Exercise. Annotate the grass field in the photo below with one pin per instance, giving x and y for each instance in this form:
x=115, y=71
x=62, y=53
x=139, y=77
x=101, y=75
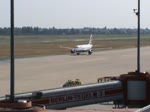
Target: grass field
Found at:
x=30, y=46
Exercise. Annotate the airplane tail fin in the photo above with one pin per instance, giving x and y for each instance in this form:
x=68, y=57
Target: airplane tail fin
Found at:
x=90, y=41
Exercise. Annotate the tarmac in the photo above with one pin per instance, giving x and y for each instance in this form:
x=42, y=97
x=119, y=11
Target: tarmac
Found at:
x=38, y=73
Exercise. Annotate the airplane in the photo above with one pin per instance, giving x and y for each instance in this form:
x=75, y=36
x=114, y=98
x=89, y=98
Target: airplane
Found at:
x=82, y=48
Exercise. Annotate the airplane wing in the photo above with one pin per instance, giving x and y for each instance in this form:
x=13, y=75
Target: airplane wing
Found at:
x=106, y=48
x=102, y=48
x=65, y=47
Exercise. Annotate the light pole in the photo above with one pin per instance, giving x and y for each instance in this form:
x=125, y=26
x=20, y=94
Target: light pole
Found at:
x=12, y=65
x=137, y=12
x=138, y=40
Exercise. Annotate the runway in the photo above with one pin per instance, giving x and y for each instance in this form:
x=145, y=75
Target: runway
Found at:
x=53, y=71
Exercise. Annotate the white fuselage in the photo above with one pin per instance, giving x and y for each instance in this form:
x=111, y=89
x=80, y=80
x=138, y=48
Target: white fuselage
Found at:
x=82, y=48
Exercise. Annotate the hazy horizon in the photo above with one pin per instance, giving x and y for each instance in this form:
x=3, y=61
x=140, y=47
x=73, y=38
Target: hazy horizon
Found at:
x=75, y=13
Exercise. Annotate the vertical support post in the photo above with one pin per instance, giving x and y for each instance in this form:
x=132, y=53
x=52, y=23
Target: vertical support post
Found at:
x=138, y=39
x=12, y=96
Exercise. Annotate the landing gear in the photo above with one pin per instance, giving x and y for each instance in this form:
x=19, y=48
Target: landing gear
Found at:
x=71, y=51
x=78, y=53
x=89, y=52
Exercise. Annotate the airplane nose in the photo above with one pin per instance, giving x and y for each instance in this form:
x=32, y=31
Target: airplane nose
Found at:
x=72, y=51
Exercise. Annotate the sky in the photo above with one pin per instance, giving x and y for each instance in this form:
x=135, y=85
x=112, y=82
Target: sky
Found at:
x=75, y=13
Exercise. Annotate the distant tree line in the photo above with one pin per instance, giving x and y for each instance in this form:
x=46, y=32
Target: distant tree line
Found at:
x=70, y=31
